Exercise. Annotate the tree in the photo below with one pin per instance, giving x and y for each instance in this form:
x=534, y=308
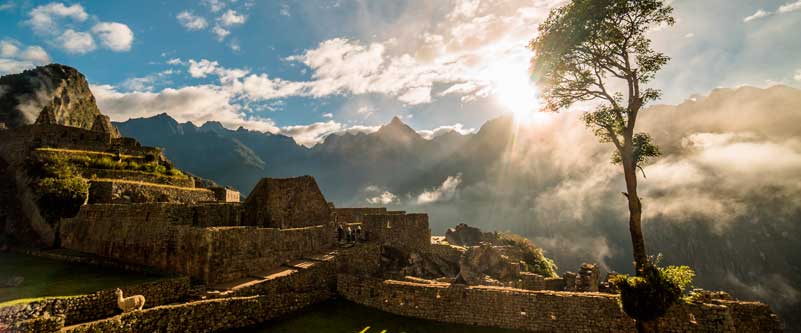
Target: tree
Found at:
x=598, y=51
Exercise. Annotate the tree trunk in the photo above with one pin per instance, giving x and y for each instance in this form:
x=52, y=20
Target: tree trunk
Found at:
x=635, y=206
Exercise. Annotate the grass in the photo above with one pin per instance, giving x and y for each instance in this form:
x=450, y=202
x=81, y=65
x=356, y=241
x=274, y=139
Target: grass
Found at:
x=83, y=159
x=347, y=317
x=45, y=278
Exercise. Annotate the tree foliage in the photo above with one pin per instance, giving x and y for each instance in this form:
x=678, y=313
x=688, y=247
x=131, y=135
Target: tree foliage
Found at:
x=649, y=296
x=589, y=46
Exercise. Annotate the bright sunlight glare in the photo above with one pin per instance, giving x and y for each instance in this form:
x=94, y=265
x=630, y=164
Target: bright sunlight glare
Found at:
x=514, y=90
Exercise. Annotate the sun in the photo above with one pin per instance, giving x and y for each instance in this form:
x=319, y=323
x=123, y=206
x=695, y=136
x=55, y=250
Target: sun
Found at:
x=514, y=91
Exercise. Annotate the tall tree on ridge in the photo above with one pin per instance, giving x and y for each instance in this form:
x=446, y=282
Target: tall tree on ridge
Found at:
x=598, y=51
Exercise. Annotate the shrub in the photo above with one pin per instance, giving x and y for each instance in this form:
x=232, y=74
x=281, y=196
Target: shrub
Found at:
x=535, y=259
x=61, y=197
x=648, y=297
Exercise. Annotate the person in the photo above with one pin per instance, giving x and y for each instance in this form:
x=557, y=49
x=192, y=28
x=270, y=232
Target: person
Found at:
x=340, y=233
x=359, y=236
x=349, y=234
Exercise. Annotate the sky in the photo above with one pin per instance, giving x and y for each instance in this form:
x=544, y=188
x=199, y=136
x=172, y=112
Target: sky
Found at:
x=315, y=67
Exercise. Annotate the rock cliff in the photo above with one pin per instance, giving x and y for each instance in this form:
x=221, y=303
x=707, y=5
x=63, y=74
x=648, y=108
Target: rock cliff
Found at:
x=61, y=90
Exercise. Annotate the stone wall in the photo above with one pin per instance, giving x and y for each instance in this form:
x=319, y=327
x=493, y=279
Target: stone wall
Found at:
x=356, y=215
x=101, y=304
x=189, y=239
x=121, y=192
x=537, y=311
x=403, y=231
x=244, y=251
x=206, y=316
x=223, y=194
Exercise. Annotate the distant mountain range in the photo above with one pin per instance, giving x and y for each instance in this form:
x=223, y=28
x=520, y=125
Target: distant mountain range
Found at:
x=723, y=198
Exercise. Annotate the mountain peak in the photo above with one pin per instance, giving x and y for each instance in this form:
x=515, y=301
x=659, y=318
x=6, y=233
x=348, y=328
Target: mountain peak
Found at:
x=62, y=90
x=396, y=121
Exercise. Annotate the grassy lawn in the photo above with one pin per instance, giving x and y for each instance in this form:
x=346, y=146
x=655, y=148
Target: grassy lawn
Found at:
x=52, y=278
x=346, y=317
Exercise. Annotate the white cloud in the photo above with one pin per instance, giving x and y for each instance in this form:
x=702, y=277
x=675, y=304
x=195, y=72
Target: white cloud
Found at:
x=790, y=7
x=757, y=15
x=797, y=76
x=220, y=32
x=214, y=5
x=689, y=35
x=328, y=115
x=11, y=66
x=76, y=42
x=116, y=36
x=309, y=135
x=384, y=198
x=43, y=18
x=444, y=192
x=48, y=21
x=230, y=18
x=191, y=21
x=175, y=61
x=35, y=54
x=458, y=128
x=8, y=49
x=197, y=104
x=15, y=58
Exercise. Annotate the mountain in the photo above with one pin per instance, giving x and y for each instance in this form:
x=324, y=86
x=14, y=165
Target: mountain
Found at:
x=61, y=88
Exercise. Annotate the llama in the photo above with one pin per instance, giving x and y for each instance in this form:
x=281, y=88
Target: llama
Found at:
x=129, y=304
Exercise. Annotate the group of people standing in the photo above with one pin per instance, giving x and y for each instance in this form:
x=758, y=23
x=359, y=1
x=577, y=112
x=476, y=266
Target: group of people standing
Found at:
x=346, y=234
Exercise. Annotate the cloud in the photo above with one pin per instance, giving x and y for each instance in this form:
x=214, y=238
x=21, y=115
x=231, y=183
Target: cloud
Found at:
x=8, y=49
x=191, y=21
x=147, y=83
x=116, y=36
x=15, y=57
x=797, y=76
x=43, y=19
x=76, y=42
x=285, y=10
x=47, y=21
x=444, y=192
x=220, y=32
x=458, y=128
x=36, y=54
x=790, y=7
x=328, y=115
x=385, y=198
x=757, y=15
x=309, y=135
x=784, y=9
x=230, y=18
x=214, y=5
x=197, y=104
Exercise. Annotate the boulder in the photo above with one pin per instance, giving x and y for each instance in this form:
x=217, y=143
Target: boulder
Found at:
x=466, y=235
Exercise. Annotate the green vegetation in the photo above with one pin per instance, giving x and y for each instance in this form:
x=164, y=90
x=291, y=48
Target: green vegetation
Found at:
x=51, y=278
x=61, y=189
x=107, y=161
x=649, y=296
x=61, y=197
x=535, y=259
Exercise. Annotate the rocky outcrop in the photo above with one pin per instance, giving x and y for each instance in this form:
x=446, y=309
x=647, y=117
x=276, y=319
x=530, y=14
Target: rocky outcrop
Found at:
x=486, y=265
x=61, y=90
x=465, y=235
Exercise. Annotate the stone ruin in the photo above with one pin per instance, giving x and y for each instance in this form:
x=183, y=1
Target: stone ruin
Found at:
x=286, y=203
